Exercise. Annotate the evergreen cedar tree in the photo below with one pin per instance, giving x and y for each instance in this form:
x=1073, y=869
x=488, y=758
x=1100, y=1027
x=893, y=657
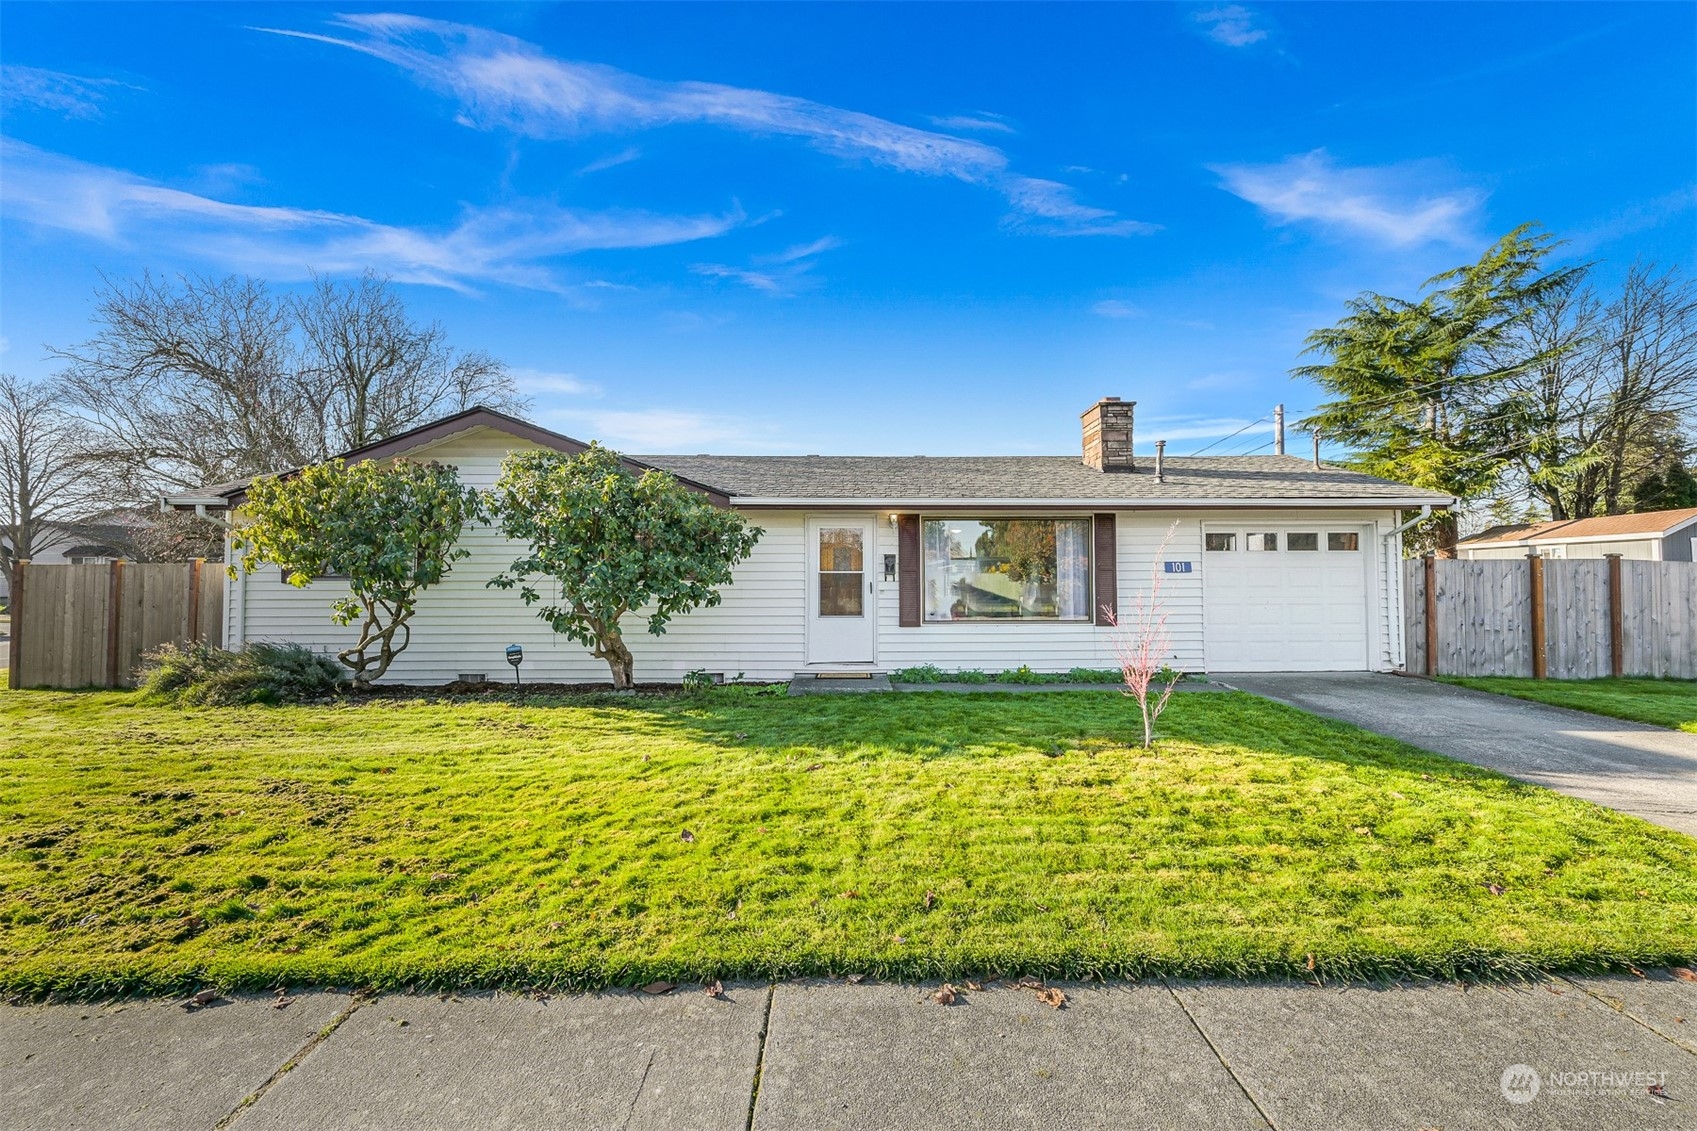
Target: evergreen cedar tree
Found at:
x=614, y=541
x=392, y=530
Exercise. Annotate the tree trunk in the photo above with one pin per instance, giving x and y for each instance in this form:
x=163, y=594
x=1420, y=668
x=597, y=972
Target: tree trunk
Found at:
x=1444, y=527
x=619, y=659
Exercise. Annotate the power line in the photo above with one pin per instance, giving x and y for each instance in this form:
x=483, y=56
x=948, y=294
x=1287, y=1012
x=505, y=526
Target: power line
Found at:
x=1234, y=435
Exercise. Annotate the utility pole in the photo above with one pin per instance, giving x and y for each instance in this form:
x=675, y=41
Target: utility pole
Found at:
x=1278, y=429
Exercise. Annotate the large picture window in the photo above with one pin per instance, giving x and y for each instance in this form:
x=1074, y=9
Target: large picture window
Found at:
x=1007, y=569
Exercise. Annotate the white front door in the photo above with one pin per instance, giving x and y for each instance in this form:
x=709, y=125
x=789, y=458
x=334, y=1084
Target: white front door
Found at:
x=1286, y=598
x=840, y=614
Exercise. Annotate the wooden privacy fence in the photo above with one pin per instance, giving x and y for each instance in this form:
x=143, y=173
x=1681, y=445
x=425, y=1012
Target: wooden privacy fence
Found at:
x=1555, y=618
x=88, y=625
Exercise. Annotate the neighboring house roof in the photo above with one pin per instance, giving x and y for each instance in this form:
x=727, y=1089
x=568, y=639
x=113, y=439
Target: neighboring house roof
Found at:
x=934, y=480
x=1649, y=524
x=901, y=479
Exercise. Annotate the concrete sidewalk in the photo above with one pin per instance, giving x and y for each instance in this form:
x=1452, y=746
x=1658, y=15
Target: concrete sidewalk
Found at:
x=1649, y=772
x=815, y=1055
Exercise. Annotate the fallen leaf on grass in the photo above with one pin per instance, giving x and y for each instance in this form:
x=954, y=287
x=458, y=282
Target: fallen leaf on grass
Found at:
x=975, y=985
x=740, y=735
x=1310, y=962
x=441, y=877
x=855, y=979
x=900, y=939
x=1027, y=982
x=1636, y=973
x=851, y=893
x=1052, y=997
x=930, y=898
x=659, y=987
x=687, y=837
x=283, y=1002
x=1495, y=889
x=816, y=766
x=714, y=989
x=1684, y=974
x=945, y=995
x=203, y=998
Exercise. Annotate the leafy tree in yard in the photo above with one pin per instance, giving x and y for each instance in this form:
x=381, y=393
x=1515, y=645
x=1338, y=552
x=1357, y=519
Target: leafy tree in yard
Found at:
x=1411, y=379
x=615, y=542
x=391, y=529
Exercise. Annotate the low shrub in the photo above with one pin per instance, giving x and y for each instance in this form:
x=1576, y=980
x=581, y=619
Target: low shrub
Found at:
x=202, y=675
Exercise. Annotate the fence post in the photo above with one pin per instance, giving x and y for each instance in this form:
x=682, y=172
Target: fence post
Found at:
x=114, y=619
x=15, y=646
x=1540, y=664
x=194, y=601
x=1617, y=636
x=1431, y=615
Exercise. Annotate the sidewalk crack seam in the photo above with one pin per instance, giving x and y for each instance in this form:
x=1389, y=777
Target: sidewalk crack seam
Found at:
x=640, y=1084
x=289, y=1065
x=760, y=1057
x=1219, y=1056
x=1628, y=1014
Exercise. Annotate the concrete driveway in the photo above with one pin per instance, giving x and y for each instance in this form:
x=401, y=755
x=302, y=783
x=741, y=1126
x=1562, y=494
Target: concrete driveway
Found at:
x=1646, y=771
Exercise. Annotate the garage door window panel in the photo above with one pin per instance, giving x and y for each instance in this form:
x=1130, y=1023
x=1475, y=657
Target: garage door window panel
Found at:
x=1301, y=541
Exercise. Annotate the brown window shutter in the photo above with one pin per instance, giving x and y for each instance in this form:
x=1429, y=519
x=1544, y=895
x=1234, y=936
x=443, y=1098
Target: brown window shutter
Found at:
x=1107, y=567
x=907, y=568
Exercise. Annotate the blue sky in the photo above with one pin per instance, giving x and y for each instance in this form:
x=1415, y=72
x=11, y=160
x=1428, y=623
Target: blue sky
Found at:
x=817, y=228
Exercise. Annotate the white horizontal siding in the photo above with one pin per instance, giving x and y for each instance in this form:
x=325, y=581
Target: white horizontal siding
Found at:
x=464, y=626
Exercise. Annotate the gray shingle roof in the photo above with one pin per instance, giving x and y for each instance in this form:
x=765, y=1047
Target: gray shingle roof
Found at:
x=1036, y=478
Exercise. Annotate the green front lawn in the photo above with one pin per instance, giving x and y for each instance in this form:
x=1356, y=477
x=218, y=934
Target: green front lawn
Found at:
x=1659, y=702
x=430, y=843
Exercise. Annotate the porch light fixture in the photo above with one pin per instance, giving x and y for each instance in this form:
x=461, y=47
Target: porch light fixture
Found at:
x=515, y=657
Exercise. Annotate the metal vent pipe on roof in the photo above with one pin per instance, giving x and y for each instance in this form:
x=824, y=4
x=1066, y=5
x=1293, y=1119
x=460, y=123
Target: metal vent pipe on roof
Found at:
x=1160, y=461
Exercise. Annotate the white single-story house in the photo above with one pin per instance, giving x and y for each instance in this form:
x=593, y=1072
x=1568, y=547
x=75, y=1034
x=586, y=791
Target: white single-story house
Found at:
x=873, y=563
x=1653, y=536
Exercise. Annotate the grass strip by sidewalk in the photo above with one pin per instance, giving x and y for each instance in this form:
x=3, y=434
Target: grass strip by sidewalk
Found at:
x=543, y=843
x=1659, y=702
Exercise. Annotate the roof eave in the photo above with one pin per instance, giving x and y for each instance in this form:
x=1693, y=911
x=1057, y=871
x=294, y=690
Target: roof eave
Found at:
x=879, y=503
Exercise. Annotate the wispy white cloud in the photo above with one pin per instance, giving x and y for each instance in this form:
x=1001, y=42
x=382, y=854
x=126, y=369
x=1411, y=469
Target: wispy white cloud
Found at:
x=759, y=280
x=778, y=273
x=1632, y=220
x=503, y=82
x=1114, y=308
x=611, y=161
x=1398, y=205
x=802, y=251
x=70, y=95
x=992, y=123
x=1233, y=25
x=547, y=381
x=510, y=244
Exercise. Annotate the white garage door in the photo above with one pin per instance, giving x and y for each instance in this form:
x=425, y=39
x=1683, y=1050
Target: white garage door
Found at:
x=1285, y=598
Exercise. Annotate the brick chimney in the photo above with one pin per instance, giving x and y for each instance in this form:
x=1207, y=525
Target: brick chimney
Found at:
x=1107, y=435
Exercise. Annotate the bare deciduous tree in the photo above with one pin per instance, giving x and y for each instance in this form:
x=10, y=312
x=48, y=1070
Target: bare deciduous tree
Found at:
x=377, y=373
x=1606, y=394
x=44, y=480
x=199, y=381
